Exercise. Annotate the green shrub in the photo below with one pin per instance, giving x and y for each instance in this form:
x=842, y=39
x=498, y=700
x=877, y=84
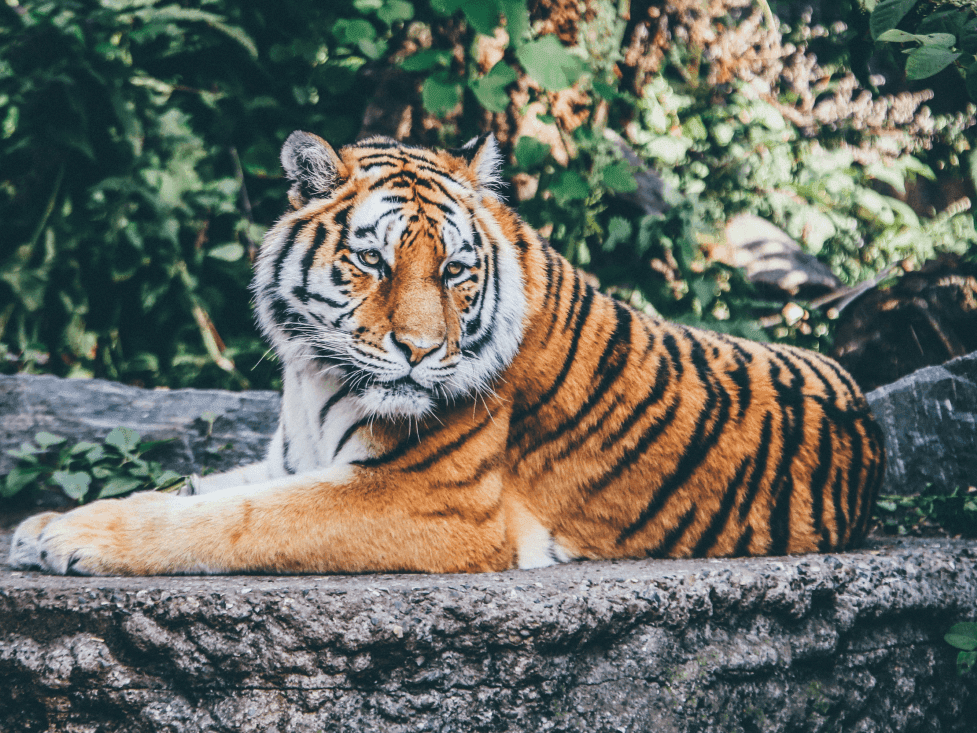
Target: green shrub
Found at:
x=86, y=471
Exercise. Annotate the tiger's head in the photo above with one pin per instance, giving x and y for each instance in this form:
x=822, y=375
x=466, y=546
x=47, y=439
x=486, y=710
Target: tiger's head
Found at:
x=392, y=272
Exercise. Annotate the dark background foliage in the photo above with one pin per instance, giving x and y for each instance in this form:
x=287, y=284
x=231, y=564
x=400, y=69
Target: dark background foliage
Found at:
x=139, y=155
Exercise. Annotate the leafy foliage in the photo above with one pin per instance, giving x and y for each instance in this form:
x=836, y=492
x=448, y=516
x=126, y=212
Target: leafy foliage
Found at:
x=929, y=512
x=87, y=471
x=945, y=36
x=964, y=637
x=139, y=138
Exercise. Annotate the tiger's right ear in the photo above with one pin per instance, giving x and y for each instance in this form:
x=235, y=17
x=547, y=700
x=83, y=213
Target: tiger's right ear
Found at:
x=312, y=166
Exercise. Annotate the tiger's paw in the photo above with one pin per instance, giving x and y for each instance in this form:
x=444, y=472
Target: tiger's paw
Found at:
x=97, y=539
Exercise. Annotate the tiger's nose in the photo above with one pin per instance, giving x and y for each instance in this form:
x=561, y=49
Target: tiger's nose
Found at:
x=414, y=349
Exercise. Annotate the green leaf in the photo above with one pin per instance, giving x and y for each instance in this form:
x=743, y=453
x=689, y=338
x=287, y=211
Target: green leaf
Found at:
x=125, y=439
x=894, y=35
x=119, y=485
x=568, y=186
x=619, y=231
x=395, y=11
x=889, y=506
x=550, y=64
x=227, y=252
x=887, y=14
x=618, y=176
x=351, y=32
x=530, y=152
x=516, y=20
x=966, y=628
x=26, y=452
x=74, y=485
x=426, y=59
x=46, y=440
x=440, y=94
x=928, y=60
x=482, y=16
x=20, y=477
x=168, y=477
x=967, y=643
x=490, y=89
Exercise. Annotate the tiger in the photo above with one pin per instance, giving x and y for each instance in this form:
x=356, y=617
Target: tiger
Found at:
x=457, y=397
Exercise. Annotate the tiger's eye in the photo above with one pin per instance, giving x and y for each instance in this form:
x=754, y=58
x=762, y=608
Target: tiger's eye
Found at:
x=370, y=257
x=453, y=269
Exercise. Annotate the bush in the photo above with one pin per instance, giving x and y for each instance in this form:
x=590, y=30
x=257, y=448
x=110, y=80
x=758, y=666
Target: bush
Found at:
x=139, y=141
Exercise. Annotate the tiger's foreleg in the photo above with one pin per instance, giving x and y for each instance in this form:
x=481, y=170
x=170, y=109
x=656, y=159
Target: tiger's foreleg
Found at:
x=336, y=520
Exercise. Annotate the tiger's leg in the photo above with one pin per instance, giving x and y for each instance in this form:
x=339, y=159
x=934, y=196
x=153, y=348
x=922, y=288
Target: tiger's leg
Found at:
x=253, y=473
x=336, y=520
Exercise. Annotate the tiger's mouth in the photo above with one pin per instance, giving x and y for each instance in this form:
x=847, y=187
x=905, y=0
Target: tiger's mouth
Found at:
x=402, y=397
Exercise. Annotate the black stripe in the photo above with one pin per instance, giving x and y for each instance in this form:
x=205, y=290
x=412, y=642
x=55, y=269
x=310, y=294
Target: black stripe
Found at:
x=286, y=448
x=350, y=431
x=743, y=544
x=662, y=379
x=841, y=522
x=618, y=345
x=854, y=473
x=317, y=240
x=740, y=377
x=672, y=537
x=700, y=444
x=720, y=518
x=819, y=478
x=339, y=394
x=668, y=341
x=555, y=301
x=581, y=319
x=448, y=448
x=759, y=466
x=286, y=248
x=627, y=459
x=780, y=516
x=791, y=401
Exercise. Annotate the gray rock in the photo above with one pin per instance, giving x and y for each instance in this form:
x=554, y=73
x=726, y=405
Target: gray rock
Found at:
x=87, y=409
x=848, y=642
x=930, y=423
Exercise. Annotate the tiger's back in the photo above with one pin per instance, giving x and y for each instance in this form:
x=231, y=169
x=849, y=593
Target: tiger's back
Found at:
x=658, y=439
x=458, y=398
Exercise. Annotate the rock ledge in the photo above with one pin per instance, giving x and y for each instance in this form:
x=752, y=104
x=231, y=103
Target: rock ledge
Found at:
x=848, y=642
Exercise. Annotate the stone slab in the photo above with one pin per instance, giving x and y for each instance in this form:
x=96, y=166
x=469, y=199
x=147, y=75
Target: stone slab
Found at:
x=846, y=642
x=87, y=409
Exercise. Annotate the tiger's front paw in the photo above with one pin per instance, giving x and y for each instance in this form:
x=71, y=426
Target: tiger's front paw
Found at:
x=25, y=549
x=98, y=539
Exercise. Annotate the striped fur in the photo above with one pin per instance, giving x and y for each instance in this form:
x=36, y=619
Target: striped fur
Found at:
x=458, y=398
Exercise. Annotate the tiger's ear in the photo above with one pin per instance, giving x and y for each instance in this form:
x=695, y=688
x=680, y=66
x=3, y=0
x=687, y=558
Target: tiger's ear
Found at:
x=312, y=166
x=484, y=161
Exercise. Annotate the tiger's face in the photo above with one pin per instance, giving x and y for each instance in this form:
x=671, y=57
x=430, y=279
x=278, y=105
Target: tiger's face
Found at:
x=391, y=274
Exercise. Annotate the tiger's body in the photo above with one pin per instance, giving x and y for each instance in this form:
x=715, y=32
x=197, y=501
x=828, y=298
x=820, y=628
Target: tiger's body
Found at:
x=458, y=399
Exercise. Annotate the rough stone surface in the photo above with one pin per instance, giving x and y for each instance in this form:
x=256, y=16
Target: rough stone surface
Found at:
x=87, y=409
x=930, y=423
x=848, y=642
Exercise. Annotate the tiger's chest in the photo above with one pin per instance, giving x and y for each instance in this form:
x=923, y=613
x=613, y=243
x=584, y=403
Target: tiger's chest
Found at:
x=322, y=424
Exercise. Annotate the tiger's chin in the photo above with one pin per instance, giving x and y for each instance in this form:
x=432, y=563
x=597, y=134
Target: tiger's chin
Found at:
x=397, y=400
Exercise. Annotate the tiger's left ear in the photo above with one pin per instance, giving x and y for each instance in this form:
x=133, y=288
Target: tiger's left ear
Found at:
x=484, y=162
x=312, y=166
